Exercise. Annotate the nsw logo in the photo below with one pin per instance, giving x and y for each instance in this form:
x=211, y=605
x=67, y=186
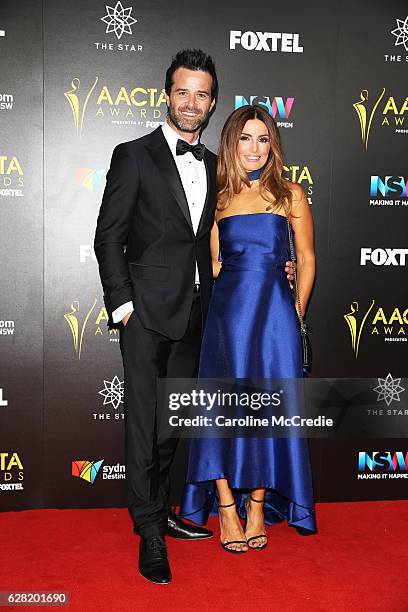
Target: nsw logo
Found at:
x=278, y=107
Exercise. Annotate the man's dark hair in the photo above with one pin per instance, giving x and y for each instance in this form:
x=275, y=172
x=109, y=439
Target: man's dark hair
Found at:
x=192, y=59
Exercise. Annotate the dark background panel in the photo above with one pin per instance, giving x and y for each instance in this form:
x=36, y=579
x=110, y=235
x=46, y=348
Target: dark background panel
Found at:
x=364, y=41
x=21, y=247
x=71, y=209
x=354, y=222
x=88, y=77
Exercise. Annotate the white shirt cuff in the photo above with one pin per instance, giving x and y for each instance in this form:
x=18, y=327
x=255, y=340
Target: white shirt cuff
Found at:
x=122, y=311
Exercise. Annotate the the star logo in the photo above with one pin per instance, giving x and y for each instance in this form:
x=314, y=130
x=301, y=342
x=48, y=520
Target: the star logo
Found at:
x=388, y=389
x=401, y=33
x=118, y=20
x=112, y=392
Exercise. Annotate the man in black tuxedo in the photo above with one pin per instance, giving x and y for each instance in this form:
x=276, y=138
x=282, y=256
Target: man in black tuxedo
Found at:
x=159, y=200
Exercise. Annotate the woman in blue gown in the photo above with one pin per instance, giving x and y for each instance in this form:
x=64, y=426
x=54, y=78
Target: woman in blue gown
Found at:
x=252, y=331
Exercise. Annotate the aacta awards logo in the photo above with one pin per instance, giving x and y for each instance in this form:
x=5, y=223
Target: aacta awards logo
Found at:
x=389, y=324
x=119, y=22
x=378, y=109
x=79, y=109
x=11, y=472
x=300, y=174
x=11, y=177
x=142, y=106
x=92, y=320
x=276, y=107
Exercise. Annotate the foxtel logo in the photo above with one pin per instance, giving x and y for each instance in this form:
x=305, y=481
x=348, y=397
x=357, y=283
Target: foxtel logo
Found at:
x=383, y=257
x=265, y=41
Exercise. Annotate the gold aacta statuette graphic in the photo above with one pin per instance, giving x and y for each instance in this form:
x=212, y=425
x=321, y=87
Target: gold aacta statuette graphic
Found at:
x=77, y=332
x=355, y=330
x=361, y=109
x=75, y=104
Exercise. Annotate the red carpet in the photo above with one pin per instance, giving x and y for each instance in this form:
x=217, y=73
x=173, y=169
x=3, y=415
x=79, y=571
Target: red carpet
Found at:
x=358, y=561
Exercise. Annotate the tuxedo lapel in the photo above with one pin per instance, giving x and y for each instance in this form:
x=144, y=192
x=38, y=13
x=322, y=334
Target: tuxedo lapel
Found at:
x=208, y=209
x=162, y=157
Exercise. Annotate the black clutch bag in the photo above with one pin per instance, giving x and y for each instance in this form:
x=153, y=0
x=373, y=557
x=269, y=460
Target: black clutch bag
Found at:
x=304, y=329
x=306, y=347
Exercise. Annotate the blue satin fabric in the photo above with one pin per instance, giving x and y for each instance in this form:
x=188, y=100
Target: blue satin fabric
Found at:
x=252, y=331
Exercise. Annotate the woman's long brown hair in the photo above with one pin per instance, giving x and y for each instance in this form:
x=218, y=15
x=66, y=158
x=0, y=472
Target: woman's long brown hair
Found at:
x=230, y=172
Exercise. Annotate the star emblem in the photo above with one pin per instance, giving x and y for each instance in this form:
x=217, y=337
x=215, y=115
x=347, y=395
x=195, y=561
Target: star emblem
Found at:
x=388, y=389
x=112, y=392
x=118, y=20
x=401, y=33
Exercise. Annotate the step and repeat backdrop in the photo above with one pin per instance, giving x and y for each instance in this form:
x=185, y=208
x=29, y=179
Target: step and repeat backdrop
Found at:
x=77, y=78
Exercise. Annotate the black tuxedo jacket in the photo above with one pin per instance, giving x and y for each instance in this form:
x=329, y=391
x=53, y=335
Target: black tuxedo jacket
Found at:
x=144, y=208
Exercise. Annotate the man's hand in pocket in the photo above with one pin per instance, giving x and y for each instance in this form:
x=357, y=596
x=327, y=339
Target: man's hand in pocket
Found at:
x=126, y=318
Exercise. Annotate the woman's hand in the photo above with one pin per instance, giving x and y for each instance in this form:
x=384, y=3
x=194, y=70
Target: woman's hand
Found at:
x=290, y=268
x=216, y=266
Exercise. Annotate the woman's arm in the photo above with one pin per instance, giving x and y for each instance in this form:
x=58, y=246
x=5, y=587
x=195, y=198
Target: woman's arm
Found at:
x=215, y=250
x=302, y=223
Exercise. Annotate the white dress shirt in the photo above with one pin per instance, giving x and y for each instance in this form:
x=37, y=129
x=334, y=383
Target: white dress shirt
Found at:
x=193, y=176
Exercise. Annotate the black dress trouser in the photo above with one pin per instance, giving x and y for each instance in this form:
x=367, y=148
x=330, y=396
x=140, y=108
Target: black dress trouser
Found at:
x=147, y=356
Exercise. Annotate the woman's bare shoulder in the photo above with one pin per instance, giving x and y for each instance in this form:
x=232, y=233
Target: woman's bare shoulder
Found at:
x=297, y=192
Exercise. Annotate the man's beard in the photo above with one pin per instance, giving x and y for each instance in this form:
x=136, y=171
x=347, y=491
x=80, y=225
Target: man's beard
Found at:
x=183, y=124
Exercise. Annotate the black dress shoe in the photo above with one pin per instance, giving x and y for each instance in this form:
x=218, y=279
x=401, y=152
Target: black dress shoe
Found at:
x=153, y=562
x=178, y=529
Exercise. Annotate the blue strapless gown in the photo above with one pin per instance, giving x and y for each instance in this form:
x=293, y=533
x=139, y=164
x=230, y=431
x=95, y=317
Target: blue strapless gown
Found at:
x=252, y=331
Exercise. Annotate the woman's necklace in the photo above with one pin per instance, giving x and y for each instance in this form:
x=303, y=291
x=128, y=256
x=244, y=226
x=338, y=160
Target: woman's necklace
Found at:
x=255, y=174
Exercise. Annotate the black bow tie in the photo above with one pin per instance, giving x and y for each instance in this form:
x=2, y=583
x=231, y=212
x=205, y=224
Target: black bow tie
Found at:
x=197, y=150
